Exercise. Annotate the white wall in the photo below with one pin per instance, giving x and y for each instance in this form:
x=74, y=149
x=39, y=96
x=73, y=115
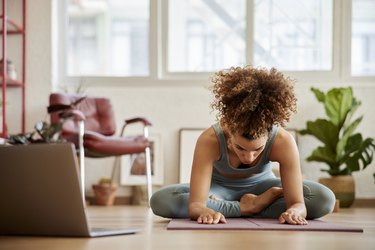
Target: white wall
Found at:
x=169, y=107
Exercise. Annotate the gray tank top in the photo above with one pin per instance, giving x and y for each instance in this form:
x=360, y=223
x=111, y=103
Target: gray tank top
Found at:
x=223, y=166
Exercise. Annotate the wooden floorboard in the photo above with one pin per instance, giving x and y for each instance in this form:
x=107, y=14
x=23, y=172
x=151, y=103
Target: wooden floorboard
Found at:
x=154, y=235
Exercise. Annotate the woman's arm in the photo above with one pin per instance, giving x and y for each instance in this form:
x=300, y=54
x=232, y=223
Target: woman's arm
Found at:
x=285, y=152
x=206, y=151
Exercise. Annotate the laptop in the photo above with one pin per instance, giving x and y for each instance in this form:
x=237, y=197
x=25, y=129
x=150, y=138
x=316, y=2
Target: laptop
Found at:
x=40, y=193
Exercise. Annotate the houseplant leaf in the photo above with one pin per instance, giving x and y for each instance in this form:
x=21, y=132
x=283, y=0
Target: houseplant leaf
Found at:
x=320, y=96
x=338, y=103
x=356, y=103
x=361, y=152
x=342, y=143
x=324, y=130
x=325, y=155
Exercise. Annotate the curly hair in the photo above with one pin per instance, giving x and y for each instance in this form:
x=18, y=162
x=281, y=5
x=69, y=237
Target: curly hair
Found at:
x=251, y=100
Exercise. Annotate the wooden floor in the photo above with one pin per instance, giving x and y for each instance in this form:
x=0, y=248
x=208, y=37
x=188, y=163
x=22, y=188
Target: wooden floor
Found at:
x=154, y=235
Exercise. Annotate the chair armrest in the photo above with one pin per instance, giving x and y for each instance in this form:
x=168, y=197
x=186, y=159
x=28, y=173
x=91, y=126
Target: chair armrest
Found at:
x=143, y=120
x=138, y=119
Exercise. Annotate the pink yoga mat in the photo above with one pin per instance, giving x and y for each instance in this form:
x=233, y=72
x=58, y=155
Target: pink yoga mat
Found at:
x=260, y=224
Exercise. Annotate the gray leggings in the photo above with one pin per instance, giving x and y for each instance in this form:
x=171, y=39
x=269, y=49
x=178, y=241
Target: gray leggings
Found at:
x=173, y=201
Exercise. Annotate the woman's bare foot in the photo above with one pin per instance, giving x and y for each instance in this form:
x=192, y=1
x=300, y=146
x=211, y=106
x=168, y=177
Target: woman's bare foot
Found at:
x=214, y=197
x=252, y=204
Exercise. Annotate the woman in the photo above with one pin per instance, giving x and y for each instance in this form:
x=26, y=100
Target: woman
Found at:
x=231, y=172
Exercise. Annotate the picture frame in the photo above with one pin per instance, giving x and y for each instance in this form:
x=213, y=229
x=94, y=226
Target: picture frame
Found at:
x=133, y=167
x=188, y=139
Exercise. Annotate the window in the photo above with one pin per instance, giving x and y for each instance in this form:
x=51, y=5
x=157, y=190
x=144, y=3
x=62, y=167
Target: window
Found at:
x=206, y=35
x=293, y=35
x=363, y=38
x=83, y=56
x=108, y=38
x=156, y=40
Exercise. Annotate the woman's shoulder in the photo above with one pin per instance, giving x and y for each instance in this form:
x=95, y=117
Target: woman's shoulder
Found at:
x=208, y=136
x=284, y=141
x=284, y=135
x=208, y=142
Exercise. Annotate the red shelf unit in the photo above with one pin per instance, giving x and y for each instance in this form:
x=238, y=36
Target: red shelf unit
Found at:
x=8, y=28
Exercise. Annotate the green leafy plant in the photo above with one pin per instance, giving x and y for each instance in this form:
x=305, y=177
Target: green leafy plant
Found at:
x=343, y=150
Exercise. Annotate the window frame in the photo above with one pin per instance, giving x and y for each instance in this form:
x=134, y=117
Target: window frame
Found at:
x=158, y=44
x=346, y=21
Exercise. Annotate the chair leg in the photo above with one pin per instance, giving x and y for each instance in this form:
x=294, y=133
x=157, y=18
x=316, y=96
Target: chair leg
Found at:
x=82, y=160
x=148, y=174
x=148, y=168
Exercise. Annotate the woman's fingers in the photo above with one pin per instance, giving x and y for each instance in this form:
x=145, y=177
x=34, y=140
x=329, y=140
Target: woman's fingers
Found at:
x=211, y=218
x=292, y=218
x=218, y=217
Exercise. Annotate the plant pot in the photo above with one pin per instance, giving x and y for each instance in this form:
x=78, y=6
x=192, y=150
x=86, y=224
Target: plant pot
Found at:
x=343, y=187
x=104, y=194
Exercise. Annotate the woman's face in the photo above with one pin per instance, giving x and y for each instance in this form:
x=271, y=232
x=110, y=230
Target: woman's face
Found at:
x=247, y=150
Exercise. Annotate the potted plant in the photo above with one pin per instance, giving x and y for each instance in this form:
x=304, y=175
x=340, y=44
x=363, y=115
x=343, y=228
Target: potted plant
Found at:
x=344, y=150
x=104, y=192
x=105, y=189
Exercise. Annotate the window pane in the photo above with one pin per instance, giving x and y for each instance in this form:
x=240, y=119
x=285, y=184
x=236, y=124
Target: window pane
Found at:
x=293, y=35
x=108, y=38
x=206, y=35
x=363, y=38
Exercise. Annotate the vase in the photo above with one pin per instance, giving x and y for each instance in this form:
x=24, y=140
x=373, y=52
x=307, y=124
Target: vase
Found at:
x=343, y=187
x=104, y=194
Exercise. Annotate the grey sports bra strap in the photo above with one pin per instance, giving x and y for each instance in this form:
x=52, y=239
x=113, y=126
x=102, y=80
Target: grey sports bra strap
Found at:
x=273, y=134
x=222, y=141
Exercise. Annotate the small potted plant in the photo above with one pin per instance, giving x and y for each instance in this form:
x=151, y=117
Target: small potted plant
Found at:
x=105, y=189
x=343, y=150
x=104, y=192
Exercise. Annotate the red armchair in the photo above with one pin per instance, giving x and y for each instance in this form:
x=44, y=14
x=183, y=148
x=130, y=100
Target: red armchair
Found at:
x=99, y=139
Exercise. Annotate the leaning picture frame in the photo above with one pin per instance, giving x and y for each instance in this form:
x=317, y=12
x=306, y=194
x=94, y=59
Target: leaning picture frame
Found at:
x=133, y=167
x=188, y=139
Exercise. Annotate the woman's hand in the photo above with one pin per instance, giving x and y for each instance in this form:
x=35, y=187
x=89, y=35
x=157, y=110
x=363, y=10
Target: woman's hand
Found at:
x=209, y=216
x=293, y=216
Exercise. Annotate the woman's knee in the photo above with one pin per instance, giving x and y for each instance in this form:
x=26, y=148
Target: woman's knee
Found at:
x=157, y=202
x=319, y=199
x=170, y=201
